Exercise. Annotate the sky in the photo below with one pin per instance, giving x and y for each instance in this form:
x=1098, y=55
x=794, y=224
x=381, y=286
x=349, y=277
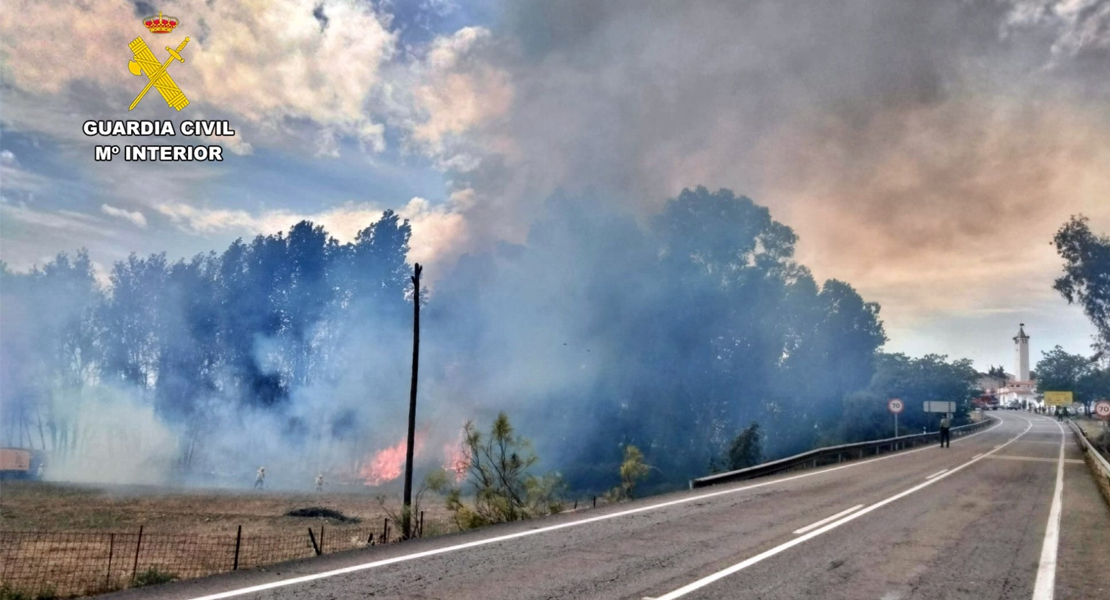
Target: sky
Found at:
x=924, y=152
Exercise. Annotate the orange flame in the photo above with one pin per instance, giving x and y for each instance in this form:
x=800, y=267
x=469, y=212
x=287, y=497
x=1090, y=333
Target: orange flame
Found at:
x=388, y=464
x=455, y=461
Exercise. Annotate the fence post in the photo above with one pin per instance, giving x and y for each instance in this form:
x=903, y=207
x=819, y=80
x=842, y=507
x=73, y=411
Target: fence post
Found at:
x=312, y=538
x=385, y=531
x=111, y=550
x=321, y=538
x=138, y=545
x=421, y=523
x=595, y=501
x=238, y=542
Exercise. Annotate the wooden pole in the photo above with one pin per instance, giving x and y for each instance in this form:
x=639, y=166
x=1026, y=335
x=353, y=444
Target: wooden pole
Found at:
x=238, y=542
x=138, y=545
x=406, y=510
x=312, y=538
x=111, y=550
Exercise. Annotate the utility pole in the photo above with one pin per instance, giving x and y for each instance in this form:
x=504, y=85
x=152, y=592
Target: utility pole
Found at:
x=406, y=511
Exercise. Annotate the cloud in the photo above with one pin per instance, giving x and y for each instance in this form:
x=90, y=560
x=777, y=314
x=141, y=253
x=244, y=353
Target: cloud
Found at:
x=61, y=220
x=268, y=63
x=135, y=217
x=1080, y=25
x=448, y=93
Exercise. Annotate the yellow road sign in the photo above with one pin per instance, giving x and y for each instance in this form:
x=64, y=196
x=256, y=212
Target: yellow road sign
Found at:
x=1058, y=398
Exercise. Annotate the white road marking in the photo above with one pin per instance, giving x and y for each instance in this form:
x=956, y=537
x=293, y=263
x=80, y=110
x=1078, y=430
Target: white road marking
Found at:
x=1070, y=461
x=686, y=589
x=1045, y=586
x=941, y=471
x=827, y=519
x=539, y=530
x=977, y=455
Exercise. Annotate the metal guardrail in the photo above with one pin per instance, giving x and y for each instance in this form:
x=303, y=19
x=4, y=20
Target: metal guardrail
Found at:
x=835, y=454
x=1097, y=458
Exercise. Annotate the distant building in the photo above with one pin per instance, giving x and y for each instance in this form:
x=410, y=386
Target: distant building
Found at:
x=1021, y=388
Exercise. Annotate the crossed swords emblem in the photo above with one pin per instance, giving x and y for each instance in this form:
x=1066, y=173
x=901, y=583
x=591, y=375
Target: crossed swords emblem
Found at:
x=156, y=73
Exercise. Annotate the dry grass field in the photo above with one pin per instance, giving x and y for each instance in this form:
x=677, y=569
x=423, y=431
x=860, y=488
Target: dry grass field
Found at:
x=36, y=506
x=60, y=540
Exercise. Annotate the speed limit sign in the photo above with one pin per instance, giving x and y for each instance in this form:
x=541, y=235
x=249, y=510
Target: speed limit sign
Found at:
x=895, y=405
x=1102, y=409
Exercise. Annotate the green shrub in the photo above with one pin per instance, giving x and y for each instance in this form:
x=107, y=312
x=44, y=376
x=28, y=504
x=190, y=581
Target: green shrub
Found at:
x=153, y=576
x=8, y=593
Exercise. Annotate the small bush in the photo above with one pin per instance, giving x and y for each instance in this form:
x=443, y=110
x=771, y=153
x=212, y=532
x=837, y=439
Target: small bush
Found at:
x=633, y=469
x=153, y=576
x=497, y=474
x=7, y=593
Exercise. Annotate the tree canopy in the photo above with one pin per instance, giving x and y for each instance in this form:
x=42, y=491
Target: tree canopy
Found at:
x=1086, y=278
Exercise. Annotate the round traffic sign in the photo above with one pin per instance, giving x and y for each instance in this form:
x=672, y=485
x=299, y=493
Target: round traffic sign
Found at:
x=895, y=405
x=1102, y=409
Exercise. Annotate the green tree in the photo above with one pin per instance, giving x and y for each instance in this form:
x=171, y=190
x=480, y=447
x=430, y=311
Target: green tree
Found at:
x=633, y=470
x=498, y=479
x=1086, y=279
x=1065, y=372
x=998, y=374
x=914, y=380
x=746, y=449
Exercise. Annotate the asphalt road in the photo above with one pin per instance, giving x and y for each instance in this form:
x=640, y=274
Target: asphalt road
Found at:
x=977, y=520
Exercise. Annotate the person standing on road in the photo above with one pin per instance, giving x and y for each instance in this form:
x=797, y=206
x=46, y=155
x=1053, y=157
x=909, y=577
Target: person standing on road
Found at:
x=319, y=482
x=260, y=479
x=945, y=436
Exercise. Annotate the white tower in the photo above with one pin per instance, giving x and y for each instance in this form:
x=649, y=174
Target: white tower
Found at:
x=1021, y=346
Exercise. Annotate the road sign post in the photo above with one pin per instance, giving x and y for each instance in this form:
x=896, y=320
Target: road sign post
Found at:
x=895, y=406
x=1102, y=410
x=937, y=406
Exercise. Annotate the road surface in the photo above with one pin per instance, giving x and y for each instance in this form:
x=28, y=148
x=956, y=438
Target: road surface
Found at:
x=1010, y=512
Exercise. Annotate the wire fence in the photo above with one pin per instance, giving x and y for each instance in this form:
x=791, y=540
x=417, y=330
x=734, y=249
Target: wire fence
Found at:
x=44, y=564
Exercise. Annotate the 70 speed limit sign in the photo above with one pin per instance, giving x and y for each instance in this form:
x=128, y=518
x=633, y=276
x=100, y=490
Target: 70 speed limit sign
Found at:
x=1102, y=409
x=895, y=405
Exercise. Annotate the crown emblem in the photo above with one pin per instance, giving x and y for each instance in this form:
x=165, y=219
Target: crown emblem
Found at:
x=160, y=24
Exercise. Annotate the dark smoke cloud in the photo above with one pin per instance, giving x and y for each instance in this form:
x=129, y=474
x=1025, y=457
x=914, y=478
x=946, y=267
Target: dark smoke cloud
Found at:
x=894, y=136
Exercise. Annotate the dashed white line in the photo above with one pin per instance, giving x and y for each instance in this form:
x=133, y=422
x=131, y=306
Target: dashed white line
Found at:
x=696, y=585
x=942, y=471
x=827, y=519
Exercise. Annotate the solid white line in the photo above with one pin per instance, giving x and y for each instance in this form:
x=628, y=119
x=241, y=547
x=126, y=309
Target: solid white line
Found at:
x=1045, y=585
x=539, y=530
x=977, y=455
x=827, y=519
x=938, y=473
x=686, y=589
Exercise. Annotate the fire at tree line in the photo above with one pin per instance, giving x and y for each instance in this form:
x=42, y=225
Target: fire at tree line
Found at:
x=631, y=355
